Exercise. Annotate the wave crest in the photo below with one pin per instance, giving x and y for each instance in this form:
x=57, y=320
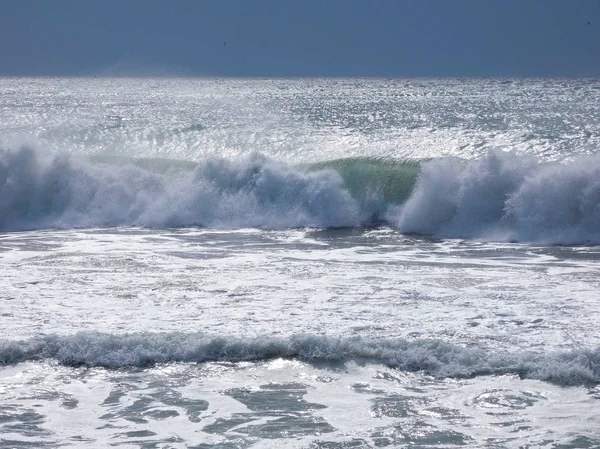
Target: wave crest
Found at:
x=433, y=357
x=501, y=196
x=505, y=196
x=60, y=191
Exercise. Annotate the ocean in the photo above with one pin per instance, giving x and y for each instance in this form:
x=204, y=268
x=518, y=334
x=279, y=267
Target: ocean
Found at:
x=299, y=263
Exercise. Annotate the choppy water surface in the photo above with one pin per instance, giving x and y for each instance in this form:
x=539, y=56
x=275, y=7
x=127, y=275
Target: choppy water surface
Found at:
x=299, y=263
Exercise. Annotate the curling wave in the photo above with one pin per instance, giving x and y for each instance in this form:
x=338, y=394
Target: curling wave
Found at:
x=433, y=357
x=501, y=196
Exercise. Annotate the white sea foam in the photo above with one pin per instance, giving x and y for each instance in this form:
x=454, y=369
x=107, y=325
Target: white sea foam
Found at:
x=405, y=317
x=505, y=196
x=500, y=196
x=434, y=357
x=59, y=191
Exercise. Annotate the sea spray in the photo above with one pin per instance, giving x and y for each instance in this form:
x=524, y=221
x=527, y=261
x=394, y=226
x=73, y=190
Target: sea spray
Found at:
x=38, y=191
x=502, y=196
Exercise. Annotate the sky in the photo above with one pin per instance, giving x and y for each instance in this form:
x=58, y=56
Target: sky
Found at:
x=300, y=38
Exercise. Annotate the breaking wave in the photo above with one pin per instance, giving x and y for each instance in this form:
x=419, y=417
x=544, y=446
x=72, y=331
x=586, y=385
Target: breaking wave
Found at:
x=61, y=191
x=433, y=357
x=505, y=196
x=501, y=196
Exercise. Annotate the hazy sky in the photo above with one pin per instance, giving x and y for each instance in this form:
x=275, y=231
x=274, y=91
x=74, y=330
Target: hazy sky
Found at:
x=300, y=37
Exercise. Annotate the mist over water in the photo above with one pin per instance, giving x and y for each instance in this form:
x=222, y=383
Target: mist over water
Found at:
x=308, y=263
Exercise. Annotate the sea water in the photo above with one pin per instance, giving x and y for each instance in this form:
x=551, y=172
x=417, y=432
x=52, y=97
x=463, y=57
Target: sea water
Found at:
x=303, y=263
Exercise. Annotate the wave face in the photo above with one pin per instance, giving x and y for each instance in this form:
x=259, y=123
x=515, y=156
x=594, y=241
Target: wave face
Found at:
x=433, y=357
x=500, y=196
